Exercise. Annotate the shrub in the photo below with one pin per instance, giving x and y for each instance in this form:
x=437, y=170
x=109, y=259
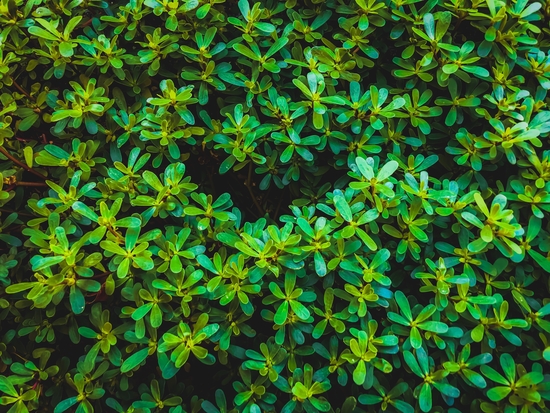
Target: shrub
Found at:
x=319, y=206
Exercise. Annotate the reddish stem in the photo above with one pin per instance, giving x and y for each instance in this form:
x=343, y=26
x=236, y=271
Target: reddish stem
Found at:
x=19, y=88
x=21, y=164
x=103, y=274
x=30, y=184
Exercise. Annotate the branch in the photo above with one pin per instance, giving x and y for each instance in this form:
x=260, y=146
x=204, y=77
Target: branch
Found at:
x=86, y=23
x=103, y=274
x=8, y=211
x=30, y=184
x=118, y=236
x=21, y=357
x=19, y=88
x=21, y=164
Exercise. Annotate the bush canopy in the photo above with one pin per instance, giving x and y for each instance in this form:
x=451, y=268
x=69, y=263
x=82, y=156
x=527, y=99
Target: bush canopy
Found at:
x=322, y=206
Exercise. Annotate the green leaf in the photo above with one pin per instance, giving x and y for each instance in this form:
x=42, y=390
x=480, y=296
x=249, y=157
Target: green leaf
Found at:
x=434, y=326
x=475, y=378
x=342, y=205
x=77, y=300
x=300, y=391
x=360, y=373
x=540, y=260
x=508, y=366
x=71, y=25
x=403, y=406
x=492, y=374
x=65, y=404
x=28, y=154
x=242, y=49
x=38, y=31
x=477, y=333
x=443, y=24
x=412, y=363
x=387, y=170
x=429, y=25
x=202, y=11
x=66, y=49
x=487, y=234
x=7, y=387
x=281, y=314
x=320, y=265
x=403, y=304
x=334, y=100
x=84, y=210
x=425, y=398
x=134, y=360
x=530, y=379
x=416, y=338
x=112, y=247
x=472, y=219
x=300, y=310
x=278, y=45
x=46, y=262
x=498, y=393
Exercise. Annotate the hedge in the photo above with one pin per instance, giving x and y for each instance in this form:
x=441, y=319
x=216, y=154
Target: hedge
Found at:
x=320, y=206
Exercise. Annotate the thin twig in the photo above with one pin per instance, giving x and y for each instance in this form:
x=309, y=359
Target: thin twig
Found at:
x=25, y=139
x=103, y=274
x=21, y=357
x=86, y=23
x=116, y=234
x=14, y=229
x=30, y=184
x=21, y=164
x=19, y=88
x=7, y=211
x=249, y=186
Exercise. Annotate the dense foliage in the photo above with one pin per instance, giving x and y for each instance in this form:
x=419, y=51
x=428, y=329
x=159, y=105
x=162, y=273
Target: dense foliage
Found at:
x=319, y=206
